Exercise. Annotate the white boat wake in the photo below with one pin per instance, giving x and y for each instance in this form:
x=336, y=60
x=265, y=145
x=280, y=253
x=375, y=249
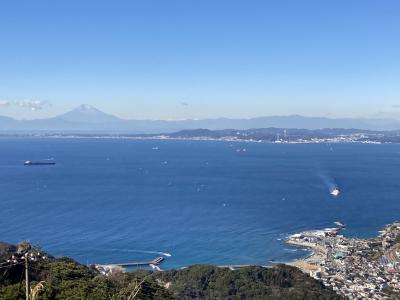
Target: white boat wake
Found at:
x=330, y=183
x=335, y=192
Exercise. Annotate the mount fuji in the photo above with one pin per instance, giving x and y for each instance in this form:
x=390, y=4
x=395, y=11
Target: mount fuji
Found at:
x=86, y=113
x=87, y=118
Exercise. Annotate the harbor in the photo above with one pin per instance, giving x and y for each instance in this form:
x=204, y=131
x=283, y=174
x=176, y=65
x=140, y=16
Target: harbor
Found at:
x=354, y=268
x=107, y=269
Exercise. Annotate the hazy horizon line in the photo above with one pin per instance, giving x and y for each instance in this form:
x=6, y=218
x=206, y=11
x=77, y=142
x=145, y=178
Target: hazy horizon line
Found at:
x=370, y=117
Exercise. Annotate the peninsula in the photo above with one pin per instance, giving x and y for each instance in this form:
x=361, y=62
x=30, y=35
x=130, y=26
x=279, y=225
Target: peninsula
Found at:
x=258, y=135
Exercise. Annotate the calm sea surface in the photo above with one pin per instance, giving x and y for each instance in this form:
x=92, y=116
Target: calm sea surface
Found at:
x=110, y=201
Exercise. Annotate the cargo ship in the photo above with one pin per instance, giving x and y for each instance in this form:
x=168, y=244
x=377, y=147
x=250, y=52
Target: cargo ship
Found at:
x=39, y=162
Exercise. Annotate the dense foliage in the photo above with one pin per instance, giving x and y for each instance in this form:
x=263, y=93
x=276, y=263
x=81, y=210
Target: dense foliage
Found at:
x=280, y=282
x=66, y=279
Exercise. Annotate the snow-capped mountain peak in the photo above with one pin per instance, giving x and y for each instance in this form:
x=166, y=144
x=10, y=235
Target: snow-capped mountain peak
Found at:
x=86, y=113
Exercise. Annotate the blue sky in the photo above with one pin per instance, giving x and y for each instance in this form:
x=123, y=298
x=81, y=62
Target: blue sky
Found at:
x=197, y=58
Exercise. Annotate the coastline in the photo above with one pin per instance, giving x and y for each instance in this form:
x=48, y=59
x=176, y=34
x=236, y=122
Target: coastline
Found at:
x=354, y=268
x=306, y=264
x=169, y=138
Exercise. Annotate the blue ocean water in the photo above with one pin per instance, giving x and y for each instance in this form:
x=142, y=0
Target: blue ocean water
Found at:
x=116, y=200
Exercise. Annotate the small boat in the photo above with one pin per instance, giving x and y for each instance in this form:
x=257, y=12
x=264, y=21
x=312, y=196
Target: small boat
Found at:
x=39, y=162
x=335, y=192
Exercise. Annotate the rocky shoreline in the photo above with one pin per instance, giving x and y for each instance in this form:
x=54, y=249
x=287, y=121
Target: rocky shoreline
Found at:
x=354, y=268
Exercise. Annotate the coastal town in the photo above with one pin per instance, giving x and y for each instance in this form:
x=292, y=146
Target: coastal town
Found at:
x=354, y=268
x=255, y=135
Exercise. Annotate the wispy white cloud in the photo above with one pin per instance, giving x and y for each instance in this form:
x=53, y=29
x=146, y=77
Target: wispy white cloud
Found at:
x=4, y=103
x=32, y=105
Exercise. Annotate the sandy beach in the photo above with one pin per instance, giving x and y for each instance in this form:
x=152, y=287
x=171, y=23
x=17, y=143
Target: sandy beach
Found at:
x=308, y=264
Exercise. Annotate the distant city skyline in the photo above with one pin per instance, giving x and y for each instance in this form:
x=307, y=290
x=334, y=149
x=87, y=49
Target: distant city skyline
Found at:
x=200, y=59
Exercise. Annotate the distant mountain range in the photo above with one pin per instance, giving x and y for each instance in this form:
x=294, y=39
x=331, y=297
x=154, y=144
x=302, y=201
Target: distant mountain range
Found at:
x=86, y=118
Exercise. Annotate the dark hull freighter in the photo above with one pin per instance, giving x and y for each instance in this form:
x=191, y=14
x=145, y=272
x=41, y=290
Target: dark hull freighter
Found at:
x=38, y=163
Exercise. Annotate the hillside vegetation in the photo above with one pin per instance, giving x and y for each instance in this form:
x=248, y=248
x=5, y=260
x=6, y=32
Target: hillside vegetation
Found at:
x=63, y=278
